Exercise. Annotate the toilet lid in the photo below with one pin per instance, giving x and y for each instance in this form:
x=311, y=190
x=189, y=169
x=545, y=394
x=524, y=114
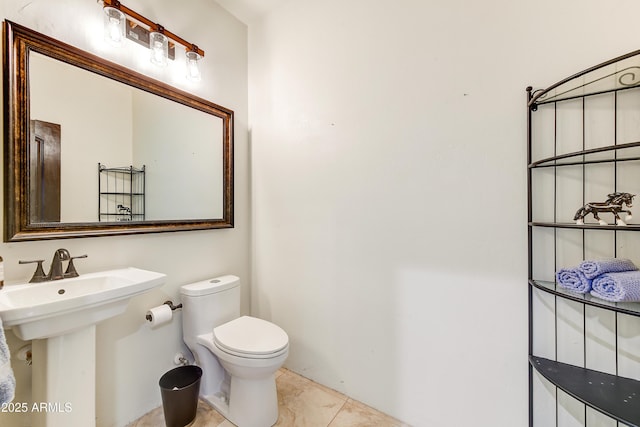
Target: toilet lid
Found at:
x=249, y=335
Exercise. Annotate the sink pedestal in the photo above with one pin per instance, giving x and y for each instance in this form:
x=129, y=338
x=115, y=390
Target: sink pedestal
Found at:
x=64, y=380
x=60, y=319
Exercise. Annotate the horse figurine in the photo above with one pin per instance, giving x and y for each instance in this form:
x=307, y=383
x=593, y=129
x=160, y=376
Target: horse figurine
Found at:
x=613, y=204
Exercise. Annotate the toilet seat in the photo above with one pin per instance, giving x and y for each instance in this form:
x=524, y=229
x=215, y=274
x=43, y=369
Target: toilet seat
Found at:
x=251, y=337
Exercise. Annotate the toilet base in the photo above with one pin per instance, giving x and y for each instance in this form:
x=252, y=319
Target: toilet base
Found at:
x=252, y=403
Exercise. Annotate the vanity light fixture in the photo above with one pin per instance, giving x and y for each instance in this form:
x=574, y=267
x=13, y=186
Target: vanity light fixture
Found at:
x=193, y=70
x=158, y=39
x=159, y=45
x=114, y=24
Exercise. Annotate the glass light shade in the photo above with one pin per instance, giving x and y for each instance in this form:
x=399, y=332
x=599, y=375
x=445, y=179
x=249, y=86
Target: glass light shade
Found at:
x=159, y=45
x=114, y=26
x=193, y=66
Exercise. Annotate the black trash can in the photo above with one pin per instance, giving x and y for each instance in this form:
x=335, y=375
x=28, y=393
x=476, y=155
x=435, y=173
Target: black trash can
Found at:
x=180, y=388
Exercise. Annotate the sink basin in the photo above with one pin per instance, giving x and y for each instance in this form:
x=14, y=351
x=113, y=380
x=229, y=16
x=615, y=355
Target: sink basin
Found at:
x=60, y=317
x=48, y=309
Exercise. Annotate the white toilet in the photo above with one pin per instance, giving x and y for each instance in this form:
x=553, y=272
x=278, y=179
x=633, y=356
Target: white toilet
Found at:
x=238, y=355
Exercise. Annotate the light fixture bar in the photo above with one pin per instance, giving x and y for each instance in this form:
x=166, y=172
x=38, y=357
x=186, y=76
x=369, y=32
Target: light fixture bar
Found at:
x=153, y=26
x=137, y=33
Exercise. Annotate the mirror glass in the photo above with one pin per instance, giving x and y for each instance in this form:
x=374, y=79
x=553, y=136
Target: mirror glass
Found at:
x=96, y=149
x=105, y=122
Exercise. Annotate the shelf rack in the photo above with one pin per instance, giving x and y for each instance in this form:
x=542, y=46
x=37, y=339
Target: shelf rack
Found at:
x=121, y=193
x=615, y=396
x=630, y=308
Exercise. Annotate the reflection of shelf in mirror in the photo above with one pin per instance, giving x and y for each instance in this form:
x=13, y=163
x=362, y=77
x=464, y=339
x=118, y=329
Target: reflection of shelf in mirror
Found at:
x=631, y=308
x=567, y=159
x=107, y=193
x=118, y=214
x=121, y=193
x=617, y=397
x=114, y=217
x=124, y=169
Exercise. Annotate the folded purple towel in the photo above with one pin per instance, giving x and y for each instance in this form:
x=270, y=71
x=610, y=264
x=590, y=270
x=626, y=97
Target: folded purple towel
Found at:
x=573, y=279
x=616, y=287
x=595, y=268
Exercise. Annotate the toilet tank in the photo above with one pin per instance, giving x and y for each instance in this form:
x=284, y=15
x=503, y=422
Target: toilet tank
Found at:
x=209, y=303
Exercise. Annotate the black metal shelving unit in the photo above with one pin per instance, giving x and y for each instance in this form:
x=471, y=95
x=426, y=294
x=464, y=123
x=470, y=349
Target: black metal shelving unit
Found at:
x=570, y=107
x=615, y=396
x=121, y=193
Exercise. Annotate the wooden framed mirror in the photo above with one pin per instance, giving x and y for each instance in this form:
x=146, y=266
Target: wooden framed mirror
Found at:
x=94, y=149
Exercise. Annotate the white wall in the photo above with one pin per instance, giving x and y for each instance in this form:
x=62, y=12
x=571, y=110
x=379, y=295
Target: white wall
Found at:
x=389, y=190
x=132, y=357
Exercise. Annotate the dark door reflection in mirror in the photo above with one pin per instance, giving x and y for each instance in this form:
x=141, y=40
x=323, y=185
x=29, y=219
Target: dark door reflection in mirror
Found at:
x=44, y=161
x=106, y=114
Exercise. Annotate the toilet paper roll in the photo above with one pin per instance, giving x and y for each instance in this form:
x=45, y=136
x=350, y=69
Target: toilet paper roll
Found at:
x=160, y=315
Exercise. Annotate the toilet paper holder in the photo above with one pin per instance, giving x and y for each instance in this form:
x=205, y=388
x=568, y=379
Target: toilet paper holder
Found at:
x=171, y=306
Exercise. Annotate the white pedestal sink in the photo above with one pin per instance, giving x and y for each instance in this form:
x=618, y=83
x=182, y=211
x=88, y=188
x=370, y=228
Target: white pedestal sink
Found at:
x=60, y=317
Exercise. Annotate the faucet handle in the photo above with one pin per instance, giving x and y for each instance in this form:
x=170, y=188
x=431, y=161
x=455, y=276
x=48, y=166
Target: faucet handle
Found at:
x=38, y=275
x=71, y=269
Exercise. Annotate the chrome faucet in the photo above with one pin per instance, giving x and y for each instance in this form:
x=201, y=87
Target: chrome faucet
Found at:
x=56, y=271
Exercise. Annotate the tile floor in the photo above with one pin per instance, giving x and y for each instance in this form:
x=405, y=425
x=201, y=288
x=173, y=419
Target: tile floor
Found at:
x=301, y=402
